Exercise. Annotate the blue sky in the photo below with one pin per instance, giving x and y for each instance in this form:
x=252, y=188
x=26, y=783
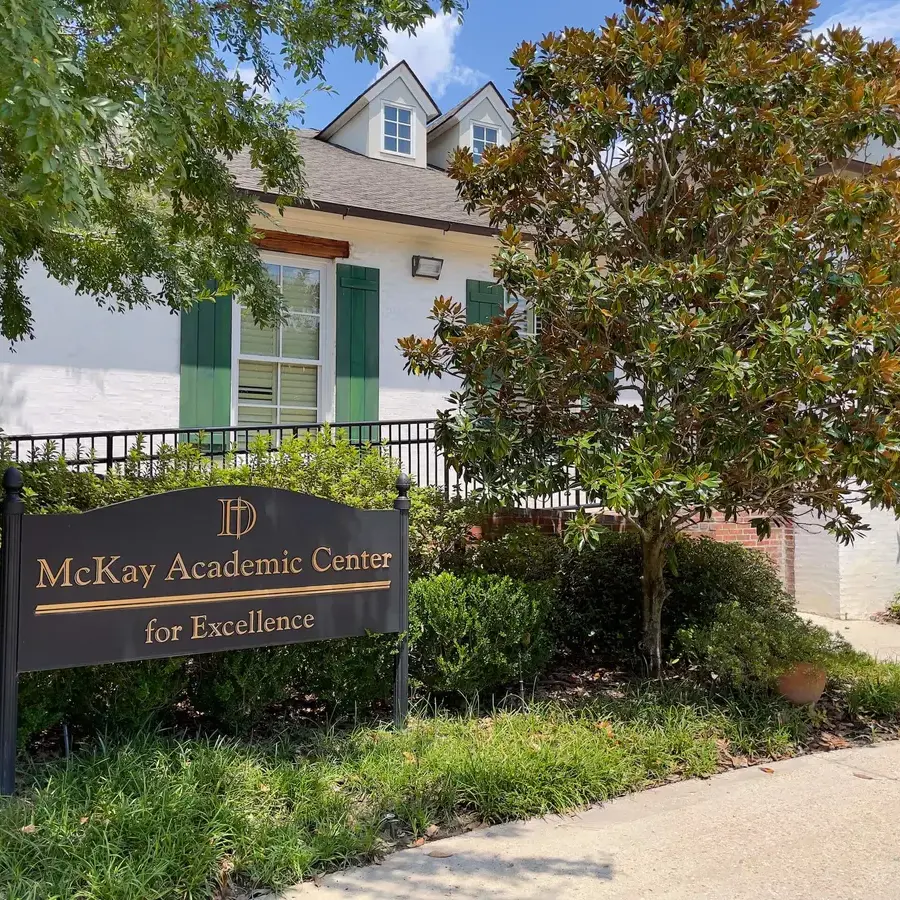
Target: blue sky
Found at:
x=453, y=60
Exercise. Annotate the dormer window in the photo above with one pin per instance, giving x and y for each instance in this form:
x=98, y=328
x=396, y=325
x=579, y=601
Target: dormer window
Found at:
x=397, y=134
x=483, y=136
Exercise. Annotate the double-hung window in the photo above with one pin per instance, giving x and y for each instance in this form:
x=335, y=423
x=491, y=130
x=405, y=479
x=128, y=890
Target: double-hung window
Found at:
x=483, y=136
x=397, y=129
x=280, y=370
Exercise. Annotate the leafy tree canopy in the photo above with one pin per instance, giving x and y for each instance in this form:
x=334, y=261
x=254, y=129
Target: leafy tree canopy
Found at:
x=116, y=119
x=718, y=288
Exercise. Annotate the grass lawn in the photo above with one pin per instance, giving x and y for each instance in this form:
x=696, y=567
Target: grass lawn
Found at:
x=174, y=817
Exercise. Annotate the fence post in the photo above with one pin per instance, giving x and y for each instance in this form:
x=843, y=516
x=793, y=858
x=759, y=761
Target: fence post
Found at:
x=401, y=661
x=10, y=562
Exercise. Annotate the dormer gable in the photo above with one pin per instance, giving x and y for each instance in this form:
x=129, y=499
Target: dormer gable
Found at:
x=482, y=119
x=389, y=120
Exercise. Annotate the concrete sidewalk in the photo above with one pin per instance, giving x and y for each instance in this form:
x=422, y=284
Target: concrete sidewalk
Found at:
x=880, y=639
x=818, y=826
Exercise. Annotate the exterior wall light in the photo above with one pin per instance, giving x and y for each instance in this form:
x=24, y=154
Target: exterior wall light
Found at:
x=427, y=267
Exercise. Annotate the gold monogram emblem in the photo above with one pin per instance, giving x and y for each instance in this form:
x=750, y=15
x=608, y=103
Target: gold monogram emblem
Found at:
x=238, y=517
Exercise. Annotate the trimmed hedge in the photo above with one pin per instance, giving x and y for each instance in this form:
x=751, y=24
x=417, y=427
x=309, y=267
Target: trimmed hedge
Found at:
x=744, y=647
x=237, y=689
x=467, y=635
x=472, y=632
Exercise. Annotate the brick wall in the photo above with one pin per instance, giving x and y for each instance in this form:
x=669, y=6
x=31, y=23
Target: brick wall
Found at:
x=779, y=546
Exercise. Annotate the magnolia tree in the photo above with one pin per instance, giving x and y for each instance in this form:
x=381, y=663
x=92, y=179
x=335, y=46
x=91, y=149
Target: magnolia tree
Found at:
x=714, y=276
x=117, y=118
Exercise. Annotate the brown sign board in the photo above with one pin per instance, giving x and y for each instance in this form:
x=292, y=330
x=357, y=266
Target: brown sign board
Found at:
x=200, y=570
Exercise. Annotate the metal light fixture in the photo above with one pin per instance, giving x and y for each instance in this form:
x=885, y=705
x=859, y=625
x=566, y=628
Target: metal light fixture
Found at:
x=427, y=267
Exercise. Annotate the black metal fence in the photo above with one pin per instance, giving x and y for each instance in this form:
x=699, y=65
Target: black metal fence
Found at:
x=410, y=441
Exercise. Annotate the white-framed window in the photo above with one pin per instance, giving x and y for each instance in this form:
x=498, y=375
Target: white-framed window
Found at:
x=280, y=375
x=483, y=136
x=397, y=126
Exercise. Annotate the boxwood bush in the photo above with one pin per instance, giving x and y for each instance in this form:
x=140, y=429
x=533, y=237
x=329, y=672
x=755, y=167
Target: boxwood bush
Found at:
x=473, y=632
x=243, y=689
x=744, y=646
x=468, y=635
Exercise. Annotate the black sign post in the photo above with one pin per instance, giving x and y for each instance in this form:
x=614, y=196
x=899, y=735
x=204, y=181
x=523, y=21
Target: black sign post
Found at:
x=194, y=571
x=10, y=566
x=401, y=664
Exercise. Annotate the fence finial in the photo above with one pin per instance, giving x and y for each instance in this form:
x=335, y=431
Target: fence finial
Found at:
x=403, y=484
x=13, y=481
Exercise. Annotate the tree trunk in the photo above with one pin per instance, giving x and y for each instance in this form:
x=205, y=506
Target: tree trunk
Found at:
x=654, y=544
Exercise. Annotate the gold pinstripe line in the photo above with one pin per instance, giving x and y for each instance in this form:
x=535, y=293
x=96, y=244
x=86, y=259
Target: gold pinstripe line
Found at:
x=43, y=609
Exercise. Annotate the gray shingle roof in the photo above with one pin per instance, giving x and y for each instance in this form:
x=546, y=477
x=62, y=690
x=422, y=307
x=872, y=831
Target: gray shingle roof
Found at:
x=344, y=181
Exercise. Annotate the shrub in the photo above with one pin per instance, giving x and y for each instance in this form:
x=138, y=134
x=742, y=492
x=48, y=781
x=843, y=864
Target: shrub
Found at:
x=467, y=634
x=596, y=611
x=744, y=646
x=522, y=551
x=51, y=487
x=121, y=697
x=750, y=648
x=438, y=531
x=478, y=629
x=474, y=632
x=353, y=673
x=43, y=702
x=599, y=611
x=242, y=689
x=237, y=689
x=322, y=463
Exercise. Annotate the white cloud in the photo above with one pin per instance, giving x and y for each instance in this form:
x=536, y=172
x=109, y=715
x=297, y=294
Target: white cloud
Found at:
x=431, y=55
x=247, y=74
x=876, y=20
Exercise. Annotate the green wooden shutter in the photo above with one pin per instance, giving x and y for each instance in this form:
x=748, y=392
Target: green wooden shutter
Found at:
x=206, y=364
x=484, y=300
x=356, y=397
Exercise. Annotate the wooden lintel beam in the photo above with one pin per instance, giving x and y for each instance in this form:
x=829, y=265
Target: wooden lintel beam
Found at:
x=303, y=244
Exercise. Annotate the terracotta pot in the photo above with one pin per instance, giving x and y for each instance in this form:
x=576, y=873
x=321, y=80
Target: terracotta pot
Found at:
x=802, y=684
